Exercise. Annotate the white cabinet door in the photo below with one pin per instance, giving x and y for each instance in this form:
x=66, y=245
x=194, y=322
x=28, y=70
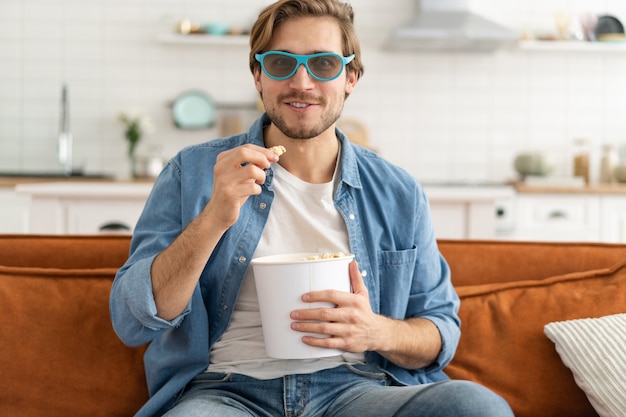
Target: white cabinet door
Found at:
x=102, y=216
x=449, y=220
x=571, y=217
x=464, y=219
x=13, y=211
x=614, y=219
x=467, y=212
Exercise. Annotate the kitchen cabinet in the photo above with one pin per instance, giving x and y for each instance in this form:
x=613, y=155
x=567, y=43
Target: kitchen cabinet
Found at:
x=596, y=213
x=13, y=211
x=469, y=212
x=84, y=208
x=558, y=217
x=613, y=219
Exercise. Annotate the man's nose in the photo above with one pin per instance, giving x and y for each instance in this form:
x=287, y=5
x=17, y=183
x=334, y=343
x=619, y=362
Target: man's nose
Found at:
x=302, y=78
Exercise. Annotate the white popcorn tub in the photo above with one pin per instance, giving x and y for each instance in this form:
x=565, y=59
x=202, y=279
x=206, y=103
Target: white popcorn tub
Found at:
x=280, y=281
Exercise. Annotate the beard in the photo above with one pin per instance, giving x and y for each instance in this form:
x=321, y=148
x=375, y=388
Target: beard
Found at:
x=303, y=130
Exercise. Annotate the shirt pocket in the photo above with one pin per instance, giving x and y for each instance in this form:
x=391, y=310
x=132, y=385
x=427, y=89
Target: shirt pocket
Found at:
x=397, y=258
x=396, y=272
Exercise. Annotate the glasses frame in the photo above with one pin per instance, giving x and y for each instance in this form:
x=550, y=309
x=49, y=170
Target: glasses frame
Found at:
x=303, y=60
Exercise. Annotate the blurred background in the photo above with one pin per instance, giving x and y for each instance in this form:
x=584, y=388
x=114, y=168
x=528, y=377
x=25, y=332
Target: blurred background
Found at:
x=444, y=115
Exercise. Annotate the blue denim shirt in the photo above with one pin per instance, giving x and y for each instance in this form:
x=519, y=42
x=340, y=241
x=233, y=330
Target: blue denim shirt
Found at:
x=390, y=233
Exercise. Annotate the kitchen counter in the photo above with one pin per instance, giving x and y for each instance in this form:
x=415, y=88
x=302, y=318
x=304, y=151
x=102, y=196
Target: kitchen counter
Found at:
x=86, y=189
x=619, y=189
x=12, y=181
x=460, y=192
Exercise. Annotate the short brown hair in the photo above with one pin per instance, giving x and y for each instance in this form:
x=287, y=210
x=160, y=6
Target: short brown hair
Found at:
x=282, y=10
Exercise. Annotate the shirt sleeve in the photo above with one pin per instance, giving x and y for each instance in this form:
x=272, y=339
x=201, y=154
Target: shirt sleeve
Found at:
x=132, y=305
x=433, y=296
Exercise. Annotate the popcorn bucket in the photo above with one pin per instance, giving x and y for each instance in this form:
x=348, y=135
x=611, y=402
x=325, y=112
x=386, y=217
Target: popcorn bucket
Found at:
x=280, y=281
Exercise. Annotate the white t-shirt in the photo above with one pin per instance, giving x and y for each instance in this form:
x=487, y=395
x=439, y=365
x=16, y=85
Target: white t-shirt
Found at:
x=302, y=218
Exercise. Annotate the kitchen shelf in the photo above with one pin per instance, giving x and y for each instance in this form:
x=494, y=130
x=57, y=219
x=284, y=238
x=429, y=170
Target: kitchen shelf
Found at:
x=572, y=46
x=548, y=46
x=201, y=39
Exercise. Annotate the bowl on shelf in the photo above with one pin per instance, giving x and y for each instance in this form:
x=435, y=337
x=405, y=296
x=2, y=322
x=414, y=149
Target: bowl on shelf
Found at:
x=533, y=163
x=216, y=28
x=619, y=172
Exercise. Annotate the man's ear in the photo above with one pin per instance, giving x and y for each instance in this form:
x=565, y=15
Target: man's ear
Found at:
x=257, y=78
x=351, y=80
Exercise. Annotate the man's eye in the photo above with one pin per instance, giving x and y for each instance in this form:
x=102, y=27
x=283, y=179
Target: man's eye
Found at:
x=282, y=62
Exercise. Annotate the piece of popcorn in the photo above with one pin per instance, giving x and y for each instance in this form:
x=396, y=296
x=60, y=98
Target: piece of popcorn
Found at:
x=278, y=149
x=325, y=256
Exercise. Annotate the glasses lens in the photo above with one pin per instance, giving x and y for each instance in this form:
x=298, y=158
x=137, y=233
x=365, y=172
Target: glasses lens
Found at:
x=278, y=65
x=325, y=66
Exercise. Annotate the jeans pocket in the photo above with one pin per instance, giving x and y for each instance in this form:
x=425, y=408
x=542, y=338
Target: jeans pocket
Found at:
x=368, y=371
x=209, y=377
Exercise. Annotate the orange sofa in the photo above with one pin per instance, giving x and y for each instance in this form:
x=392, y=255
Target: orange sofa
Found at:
x=60, y=357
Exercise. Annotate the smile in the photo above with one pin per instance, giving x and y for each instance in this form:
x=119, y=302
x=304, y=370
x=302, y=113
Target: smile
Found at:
x=299, y=105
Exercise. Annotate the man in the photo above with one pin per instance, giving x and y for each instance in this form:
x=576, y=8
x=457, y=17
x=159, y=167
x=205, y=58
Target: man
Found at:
x=187, y=288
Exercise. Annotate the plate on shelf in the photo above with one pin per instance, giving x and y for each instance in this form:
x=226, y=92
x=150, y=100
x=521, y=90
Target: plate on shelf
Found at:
x=608, y=25
x=194, y=110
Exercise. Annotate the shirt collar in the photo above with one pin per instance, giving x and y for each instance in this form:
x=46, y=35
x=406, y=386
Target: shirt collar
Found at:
x=349, y=166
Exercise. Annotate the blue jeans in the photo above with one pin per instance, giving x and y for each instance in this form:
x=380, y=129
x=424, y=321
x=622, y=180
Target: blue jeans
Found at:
x=345, y=391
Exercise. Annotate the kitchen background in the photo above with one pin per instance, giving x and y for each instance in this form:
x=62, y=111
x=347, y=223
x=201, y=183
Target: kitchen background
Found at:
x=443, y=116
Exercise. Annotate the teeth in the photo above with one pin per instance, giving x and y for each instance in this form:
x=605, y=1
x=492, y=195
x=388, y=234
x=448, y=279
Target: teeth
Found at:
x=299, y=105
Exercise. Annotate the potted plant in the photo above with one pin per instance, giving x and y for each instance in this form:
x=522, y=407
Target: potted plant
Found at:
x=136, y=125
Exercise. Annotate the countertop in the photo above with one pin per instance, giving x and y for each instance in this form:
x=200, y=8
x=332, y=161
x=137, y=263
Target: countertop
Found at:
x=434, y=190
x=13, y=181
x=457, y=192
x=87, y=189
x=615, y=188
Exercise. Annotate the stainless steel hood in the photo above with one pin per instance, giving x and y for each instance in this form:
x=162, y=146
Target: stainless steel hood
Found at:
x=449, y=25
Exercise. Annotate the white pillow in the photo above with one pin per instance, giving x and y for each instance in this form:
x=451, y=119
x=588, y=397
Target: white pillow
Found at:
x=595, y=351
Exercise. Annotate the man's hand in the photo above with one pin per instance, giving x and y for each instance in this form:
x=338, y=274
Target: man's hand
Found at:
x=238, y=174
x=354, y=327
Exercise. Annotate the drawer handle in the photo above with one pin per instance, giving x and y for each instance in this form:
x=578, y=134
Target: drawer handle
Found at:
x=557, y=214
x=114, y=227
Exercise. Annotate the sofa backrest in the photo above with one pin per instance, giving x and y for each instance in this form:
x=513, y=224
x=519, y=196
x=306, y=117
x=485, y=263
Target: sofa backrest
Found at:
x=64, y=251
x=474, y=262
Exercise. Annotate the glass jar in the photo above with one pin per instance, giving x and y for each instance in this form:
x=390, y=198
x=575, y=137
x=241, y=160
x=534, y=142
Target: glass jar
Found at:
x=607, y=163
x=581, y=159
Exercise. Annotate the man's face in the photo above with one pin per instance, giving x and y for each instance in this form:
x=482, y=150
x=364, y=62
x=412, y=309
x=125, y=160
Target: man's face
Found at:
x=301, y=106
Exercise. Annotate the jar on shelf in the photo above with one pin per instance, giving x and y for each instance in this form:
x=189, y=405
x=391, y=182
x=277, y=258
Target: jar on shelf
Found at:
x=607, y=163
x=581, y=159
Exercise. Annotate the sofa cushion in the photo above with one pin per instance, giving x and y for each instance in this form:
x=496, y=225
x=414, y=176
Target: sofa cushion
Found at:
x=594, y=349
x=59, y=355
x=522, y=364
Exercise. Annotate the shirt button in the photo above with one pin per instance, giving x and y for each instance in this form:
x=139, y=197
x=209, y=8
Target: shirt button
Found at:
x=225, y=308
x=263, y=206
x=351, y=216
x=242, y=259
x=364, y=273
x=267, y=172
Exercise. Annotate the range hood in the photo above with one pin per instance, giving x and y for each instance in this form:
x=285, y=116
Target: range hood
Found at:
x=449, y=25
